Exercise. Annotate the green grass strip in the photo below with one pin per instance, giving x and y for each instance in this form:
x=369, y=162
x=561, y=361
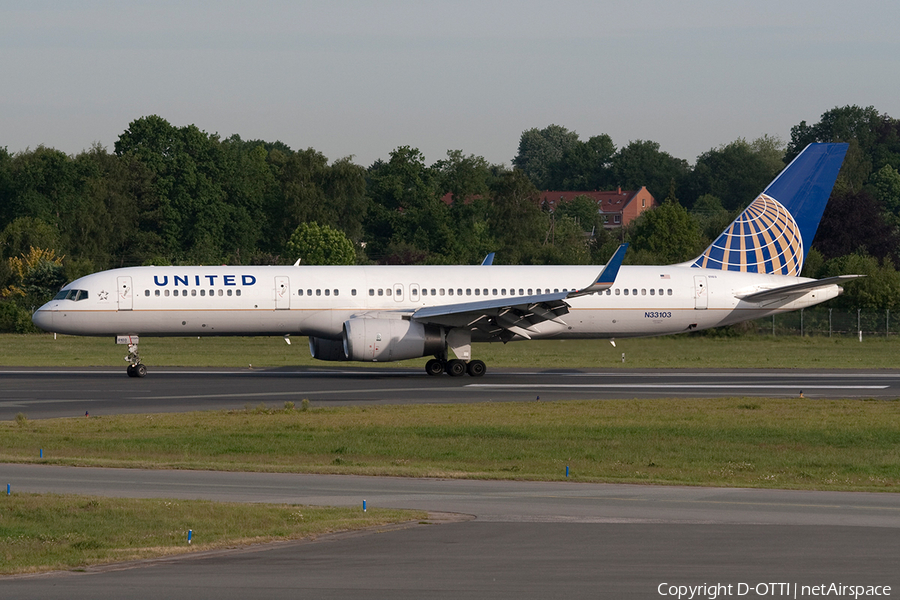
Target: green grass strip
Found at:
x=683, y=351
x=777, y=443
x=45, y=532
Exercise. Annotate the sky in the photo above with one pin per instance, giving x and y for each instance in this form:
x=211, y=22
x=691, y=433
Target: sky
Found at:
x=361, y=78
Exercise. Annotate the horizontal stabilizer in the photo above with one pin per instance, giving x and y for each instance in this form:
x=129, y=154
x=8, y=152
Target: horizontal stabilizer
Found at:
x=796, y=289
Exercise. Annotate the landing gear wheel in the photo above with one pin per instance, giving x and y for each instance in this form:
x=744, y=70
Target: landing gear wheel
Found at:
x=476, y=368
x=434, y=367
x=137, y=370
x=455, y=368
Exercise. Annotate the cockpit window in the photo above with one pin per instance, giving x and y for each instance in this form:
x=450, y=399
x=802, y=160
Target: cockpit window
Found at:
x=75, y=295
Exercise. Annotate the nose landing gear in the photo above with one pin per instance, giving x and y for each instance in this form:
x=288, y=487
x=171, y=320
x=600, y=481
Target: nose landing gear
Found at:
x=135, y=367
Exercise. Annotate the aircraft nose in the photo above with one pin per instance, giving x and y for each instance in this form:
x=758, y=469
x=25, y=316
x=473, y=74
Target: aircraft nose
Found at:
x=43, y=318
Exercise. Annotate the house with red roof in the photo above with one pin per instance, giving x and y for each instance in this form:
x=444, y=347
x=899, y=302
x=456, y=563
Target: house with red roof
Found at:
x=618, y=207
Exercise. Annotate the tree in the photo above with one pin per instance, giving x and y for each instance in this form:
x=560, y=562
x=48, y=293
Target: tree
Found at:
x=886, y=186
x=407, y=210
x=642, y=163
x=879, y=289
x=316, y=244
x=855, y=222
x=584, y=166
x=516, y=220
x=735, y=173
x=36, y=276
x=583, y=211
x=539, y=149
x=666, y=234
x=186, y=166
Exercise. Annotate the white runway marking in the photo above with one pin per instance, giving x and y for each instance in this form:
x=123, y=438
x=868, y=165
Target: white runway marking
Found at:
x=663, y=386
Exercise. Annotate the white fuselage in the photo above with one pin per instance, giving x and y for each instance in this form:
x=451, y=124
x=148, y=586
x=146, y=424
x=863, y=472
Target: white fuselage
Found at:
x=315, y=301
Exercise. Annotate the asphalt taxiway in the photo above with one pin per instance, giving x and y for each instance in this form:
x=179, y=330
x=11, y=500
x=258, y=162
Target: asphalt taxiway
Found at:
x=521, y=540
x=45, y=393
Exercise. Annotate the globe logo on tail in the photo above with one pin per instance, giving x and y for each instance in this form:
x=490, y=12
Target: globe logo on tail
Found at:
x=765, y=238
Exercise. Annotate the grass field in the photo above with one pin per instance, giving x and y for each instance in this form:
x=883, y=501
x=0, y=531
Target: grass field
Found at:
x=668, y=352
x=44, y=532
x=777, y=443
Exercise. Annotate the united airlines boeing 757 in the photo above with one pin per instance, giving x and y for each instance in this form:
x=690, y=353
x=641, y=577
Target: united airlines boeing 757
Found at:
x=389, y=313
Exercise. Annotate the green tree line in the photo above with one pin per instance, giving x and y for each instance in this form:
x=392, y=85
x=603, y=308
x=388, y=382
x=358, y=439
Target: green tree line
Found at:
x=178, y=195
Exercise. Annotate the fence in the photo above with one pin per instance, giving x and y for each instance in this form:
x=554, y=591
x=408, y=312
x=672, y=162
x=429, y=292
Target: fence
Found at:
x=830, y=322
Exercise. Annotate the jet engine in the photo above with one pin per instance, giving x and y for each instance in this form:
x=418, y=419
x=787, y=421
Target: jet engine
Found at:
x=384, y=340
x=325, y=349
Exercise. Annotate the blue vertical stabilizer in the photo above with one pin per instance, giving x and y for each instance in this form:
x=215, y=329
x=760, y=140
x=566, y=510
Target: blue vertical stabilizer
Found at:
x=774, y=233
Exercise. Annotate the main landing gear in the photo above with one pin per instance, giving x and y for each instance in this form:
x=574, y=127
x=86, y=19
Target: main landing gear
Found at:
x=455, y=368
x=135, y=368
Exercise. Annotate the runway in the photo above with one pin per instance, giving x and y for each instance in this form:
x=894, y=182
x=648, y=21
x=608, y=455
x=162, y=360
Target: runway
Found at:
x=48, y=393
x=527, y=539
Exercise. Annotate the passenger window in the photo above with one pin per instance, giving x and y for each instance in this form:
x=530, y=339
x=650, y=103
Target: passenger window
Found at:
x=670, y=291
x=237, y=293
x=617, y=291
x=468, y=291
x=660, y=292
x=424, y=291
x=652, y=291
x=626, y=291
x=529, y=292
x=353, y=292
x=203, y=293
x=167, y=293
x=229, y=292
x=299, y=292
x=521, y=292
x=450, y=291
x=220, y=292
x=494, y=292
x=372, y=292
x=193, y=292
x=459, y=291
x=485, y=292
x=327, y=292
x=634, y=291
x=336, y=292
x=388, y=291
x=156, y=293
x=442, y=291
x=318, y=292
x=643, y=292
x=477, y=292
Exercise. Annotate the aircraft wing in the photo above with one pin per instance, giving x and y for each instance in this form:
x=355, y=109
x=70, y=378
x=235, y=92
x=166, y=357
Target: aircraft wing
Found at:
x=506, y=317
x=514, y=315
x=796, y=289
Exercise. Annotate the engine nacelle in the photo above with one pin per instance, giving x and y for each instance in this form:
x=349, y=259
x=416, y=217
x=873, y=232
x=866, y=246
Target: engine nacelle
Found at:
x=384, y=340
x=324, y=349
